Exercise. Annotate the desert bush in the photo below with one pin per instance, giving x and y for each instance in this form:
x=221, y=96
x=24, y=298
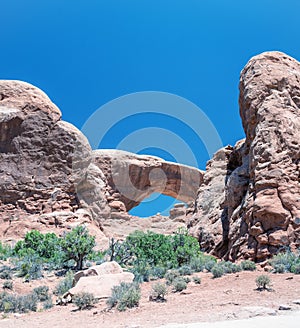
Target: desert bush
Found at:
x=5, y=272
x=30, y=267
x=197, y=280
x=186, y=279
x=171, y=275
x=279, y=268
x=126, y=295
x=248, y=265
x=158, y=292
x=295, y=268
x=5, y=251
x=287, y=260
x=185, y=270
x=77, y=245
x=157, y=272
x=179, y=284
x=19, y=304
x=209, y=265
x=141, y=271
x=7, y=285
x=229, y=267
x=42, y=293
x=217, y=270
x=64, y=285
x=47, y=304
x=263, y=282
x=84, y=300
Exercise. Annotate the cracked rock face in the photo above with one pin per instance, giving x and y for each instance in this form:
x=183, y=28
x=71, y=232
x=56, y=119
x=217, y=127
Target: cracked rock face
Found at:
x=261, y=189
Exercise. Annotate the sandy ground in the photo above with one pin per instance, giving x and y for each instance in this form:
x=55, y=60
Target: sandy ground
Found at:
x=231, y=297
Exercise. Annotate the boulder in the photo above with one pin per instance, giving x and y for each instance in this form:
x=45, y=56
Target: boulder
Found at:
x=100, y=286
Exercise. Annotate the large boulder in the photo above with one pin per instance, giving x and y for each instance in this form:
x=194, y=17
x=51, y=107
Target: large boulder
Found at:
x=100, y=279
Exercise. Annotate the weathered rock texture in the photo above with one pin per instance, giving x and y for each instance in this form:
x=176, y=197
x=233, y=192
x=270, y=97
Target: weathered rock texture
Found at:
x=44, y=162
x=249, y=203
x=132, y=178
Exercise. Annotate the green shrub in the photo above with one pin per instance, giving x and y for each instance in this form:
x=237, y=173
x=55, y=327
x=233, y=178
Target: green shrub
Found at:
x=19, y=304
x=210, y=264
x=197, y=280
x=5, y=251
x=156, y=249
x=286, y=259
x=64, y=285
x=30, y=267
x=157, y=272
x=263, y=282
x=77, y=245
x=158, y=292
x=295, y=268
x=126, y=295
x=187, y=279
x=179, y=284
x=229, y=267
x=7, y=285
x=42, y=293
x=279, y=268
x=5, y=272
x=141, y=271
x=217, y=270
x=185, y=270
x=43, y=245
x=248, y=265
x=84, y=300
x=48, y=304
x=171, y=275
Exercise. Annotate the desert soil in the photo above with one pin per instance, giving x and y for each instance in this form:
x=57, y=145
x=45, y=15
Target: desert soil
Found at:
x=231, y=297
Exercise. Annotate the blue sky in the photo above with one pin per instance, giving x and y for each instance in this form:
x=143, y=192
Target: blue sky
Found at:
x=84, y=54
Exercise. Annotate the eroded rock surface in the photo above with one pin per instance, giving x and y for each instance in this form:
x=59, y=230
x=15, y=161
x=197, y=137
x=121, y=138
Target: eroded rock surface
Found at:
x=258, y=188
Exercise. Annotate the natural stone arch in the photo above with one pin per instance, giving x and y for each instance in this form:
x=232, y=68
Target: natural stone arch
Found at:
x=132, y=178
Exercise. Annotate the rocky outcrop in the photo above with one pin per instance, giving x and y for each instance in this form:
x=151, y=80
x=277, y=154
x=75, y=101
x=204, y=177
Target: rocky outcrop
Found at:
x=45, y=163
x=257, y=210
x=132, y=178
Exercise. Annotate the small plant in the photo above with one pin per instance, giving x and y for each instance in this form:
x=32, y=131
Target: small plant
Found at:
x=248, y=265
x=30, y=267
x=126, y=295
x=141, y=271
x=217, y=271
x=5, y=272
x=157, y=272
x=286, y=261
x=7, y=285
x=197, y=264
x=187, y=279
x=48, y=304
x=158, y=292
x=179, y=284
x=263, y=282
x=84, y=300
x=209, y=265
x=279, y=268
x=197, y=280
x=42, y=293
x=19, y=304
x=171, y=275
x=64, y=285
x=185, y=270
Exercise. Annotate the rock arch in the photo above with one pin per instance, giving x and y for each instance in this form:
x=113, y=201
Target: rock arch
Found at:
x=132, y=178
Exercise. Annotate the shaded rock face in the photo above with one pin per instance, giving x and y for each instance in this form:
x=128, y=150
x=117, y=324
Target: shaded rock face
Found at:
x=258, y=188
x=132, y=178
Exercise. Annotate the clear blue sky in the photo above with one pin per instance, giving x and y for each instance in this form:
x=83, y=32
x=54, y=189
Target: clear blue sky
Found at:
x=86, y=53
